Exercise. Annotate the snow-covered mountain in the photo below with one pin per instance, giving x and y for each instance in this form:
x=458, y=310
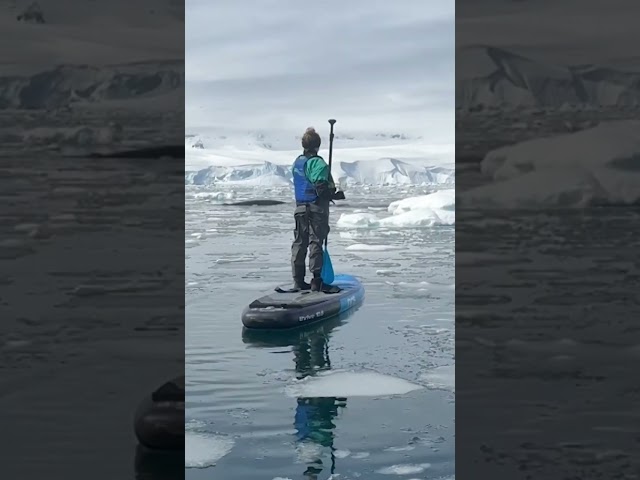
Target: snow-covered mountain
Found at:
x=83, y=84
x=273, y=139
x=489, y=76
x=265, y=158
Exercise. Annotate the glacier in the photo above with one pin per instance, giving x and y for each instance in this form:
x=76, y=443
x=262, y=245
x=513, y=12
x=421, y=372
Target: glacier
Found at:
x=77, y=85
x=383, y=171
x=496, y=77
x=257, y=158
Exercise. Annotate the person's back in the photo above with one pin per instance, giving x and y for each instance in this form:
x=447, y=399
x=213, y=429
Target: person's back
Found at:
x=314, y=189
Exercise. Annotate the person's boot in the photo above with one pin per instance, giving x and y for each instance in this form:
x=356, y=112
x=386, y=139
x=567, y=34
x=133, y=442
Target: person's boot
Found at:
x=298, y=280
x=316, y=284
x=301, y=284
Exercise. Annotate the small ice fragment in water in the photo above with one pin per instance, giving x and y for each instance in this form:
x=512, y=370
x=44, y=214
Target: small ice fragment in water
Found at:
x=441, y=378
x=400, y=449
x=350, y=384
x=203, y=450
x=362, y=247
x=360, y=455
x=404, y=469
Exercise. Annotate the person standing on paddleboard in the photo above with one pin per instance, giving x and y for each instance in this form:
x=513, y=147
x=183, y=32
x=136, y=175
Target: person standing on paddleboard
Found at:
x=314, y=190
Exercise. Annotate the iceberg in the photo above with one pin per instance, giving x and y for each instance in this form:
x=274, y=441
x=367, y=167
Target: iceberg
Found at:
x=437, y=208
x=598, y=166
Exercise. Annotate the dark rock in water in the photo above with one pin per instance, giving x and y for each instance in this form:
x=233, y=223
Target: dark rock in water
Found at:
x=172, y=151
x=198, y=144
x=159, y=419
x=32, y=14
x=256, y=203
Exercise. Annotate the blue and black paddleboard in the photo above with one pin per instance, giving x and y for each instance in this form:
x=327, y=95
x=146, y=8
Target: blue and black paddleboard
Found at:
x=283, y=309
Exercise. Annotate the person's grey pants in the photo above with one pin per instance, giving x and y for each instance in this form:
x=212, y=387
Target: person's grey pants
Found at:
x=311, y=231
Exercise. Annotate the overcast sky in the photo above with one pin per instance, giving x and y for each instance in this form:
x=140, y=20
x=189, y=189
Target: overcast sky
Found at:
x=378, y=65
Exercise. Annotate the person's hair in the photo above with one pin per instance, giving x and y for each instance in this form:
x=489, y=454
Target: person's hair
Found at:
x=311, y=140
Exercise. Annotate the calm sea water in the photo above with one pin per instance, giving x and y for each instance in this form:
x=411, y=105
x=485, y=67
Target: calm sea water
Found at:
x=244, y=423
x=556, y=328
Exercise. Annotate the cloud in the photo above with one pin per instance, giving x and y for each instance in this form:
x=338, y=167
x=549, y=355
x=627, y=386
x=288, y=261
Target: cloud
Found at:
x=371, y=64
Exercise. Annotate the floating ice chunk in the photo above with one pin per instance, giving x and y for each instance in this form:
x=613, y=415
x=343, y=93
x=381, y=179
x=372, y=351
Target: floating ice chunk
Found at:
x=405, y=448
x=350, y=384
x=437, y=208
x=360, y=455
x=418, y=218
x=442, y=199
x=203, y=450
x=406, y=469
x=385, y=273
x=216, y=195
x=361, y=247
x=307, y=452
x=441, y=378
x=357, y=220
x=234, y=259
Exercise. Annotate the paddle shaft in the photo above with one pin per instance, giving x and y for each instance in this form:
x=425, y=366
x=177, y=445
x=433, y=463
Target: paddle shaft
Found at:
x=331, y=122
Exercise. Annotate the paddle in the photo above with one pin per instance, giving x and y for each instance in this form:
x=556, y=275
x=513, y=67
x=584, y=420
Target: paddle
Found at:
x=327, y=268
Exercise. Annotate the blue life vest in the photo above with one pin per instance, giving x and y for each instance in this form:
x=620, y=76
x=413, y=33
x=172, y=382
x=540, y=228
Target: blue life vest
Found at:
x=305, y=192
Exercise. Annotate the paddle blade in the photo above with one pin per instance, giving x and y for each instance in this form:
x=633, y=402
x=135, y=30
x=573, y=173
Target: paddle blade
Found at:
x=327, y=268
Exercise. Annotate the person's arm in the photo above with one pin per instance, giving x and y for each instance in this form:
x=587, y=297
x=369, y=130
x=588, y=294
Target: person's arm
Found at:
x=318, y=173
x=317, y=170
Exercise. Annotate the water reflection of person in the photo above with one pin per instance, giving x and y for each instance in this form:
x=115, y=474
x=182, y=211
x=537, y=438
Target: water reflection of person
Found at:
x=314, y=418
